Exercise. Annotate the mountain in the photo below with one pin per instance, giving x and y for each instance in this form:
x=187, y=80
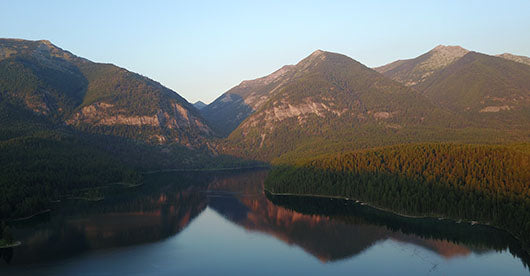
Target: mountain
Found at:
x=488, y=90
x=95, y=97
x=521, y=59
x=328, y=101
x=234, y=106
x=415, y=71
x=69, y=127
x=199, y=105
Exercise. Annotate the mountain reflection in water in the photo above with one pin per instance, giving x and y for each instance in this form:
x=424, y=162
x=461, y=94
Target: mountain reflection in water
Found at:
x=330, y=230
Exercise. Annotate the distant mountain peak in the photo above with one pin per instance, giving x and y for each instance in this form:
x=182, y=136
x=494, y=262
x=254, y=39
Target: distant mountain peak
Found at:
x=443, y=55
x=315, y=56
x=516, y=58
x=42, y=49
x=449, y=48
x=317, y=52
x=44, y=41
x=416, y=70
x=450, y=53
x=199, y=105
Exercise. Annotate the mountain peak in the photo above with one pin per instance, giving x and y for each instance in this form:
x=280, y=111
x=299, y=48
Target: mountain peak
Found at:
x=450, y=49
x=316, y=55
x=516, y=58
x=199, y=105
x=317, y=52
x=44, y=41
x=416, y=70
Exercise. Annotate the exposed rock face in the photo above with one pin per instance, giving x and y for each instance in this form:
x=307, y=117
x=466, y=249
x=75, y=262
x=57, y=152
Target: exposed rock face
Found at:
x=494, y=108
x=106, y=114
x=414, y=71
x=99, y=114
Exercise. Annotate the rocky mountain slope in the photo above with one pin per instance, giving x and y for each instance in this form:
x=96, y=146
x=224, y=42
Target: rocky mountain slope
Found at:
x=415, y=71
x=95, y=97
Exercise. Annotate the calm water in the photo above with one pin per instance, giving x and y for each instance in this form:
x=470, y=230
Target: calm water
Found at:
x=223, y=223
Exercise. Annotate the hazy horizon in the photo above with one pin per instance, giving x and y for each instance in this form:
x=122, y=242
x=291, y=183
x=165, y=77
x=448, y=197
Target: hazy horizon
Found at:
x=202, y=50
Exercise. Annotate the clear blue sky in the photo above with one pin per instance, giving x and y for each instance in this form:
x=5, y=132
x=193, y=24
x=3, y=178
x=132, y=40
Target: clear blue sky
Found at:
x=202, y=48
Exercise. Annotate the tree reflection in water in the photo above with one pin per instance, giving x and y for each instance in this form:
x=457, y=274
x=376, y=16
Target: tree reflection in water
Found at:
x=328, y=229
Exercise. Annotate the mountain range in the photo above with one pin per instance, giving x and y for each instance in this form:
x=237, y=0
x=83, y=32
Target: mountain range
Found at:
x=326, y=102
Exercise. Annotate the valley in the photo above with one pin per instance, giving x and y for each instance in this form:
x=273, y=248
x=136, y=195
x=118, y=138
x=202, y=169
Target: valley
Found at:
x=442, y=135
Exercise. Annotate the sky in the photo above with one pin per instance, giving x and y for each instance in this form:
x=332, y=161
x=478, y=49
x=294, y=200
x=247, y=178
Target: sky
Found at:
x=200, y=49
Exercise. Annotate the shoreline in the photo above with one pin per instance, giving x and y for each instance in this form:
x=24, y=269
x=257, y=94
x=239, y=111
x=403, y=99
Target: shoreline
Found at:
x=205, y=169
x=11, y=245
x=31, y=216
x=473, y=222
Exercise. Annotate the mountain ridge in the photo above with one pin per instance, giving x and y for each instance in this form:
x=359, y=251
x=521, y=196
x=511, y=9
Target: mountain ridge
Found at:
x=414, y=71
x=97, y=97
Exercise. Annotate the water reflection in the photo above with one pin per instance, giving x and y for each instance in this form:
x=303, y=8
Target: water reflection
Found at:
x=336, y=229
x=157, y=210
x=329, y=230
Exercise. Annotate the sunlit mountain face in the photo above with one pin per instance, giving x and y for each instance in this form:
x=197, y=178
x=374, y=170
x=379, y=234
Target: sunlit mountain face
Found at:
x=168, y=203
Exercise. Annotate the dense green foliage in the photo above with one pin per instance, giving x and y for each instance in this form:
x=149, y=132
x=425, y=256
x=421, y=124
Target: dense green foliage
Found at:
x=6, y=237
x=35, y=170
x=489, y=184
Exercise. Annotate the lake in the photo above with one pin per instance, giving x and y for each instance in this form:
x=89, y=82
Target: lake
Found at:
x=199, y=223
